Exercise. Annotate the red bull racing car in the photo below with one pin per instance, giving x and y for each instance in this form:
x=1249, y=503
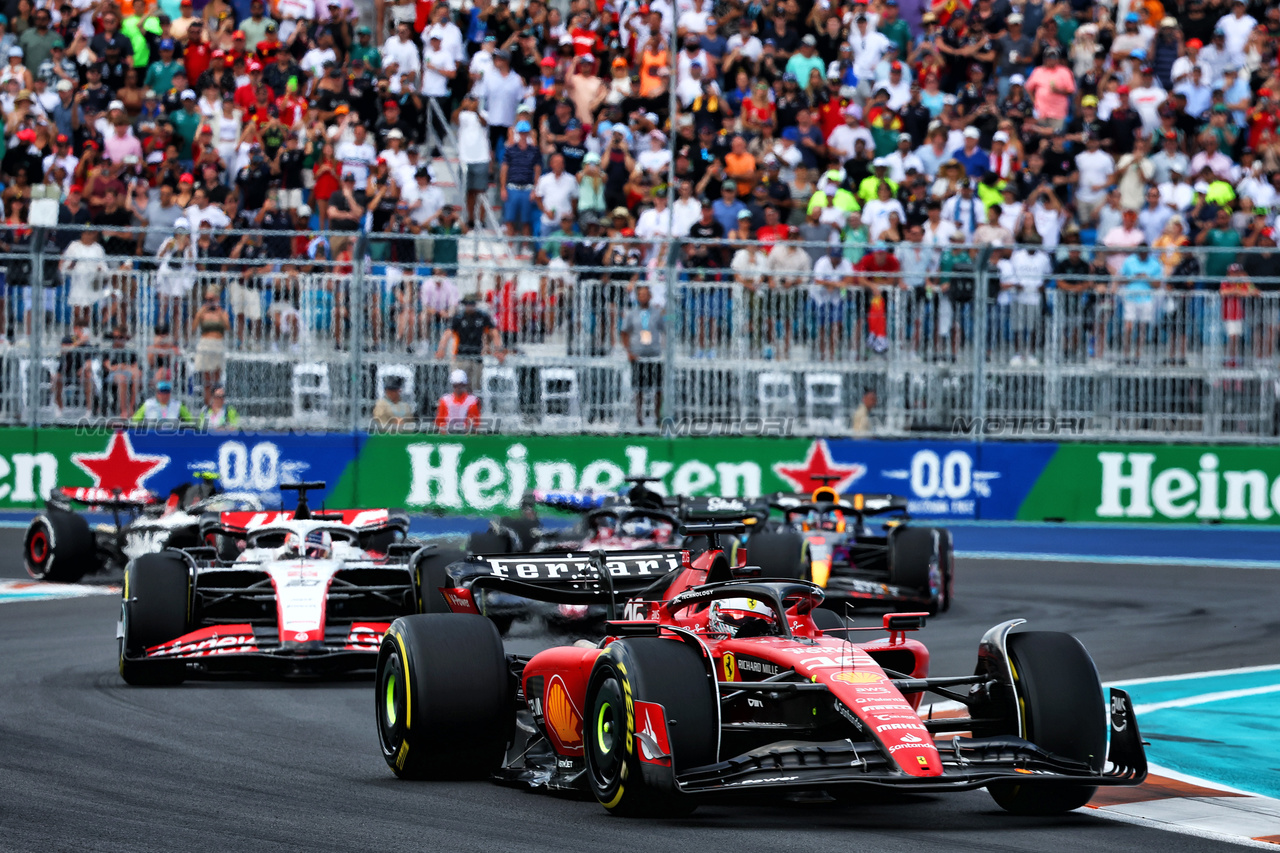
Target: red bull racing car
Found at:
x=283, y=592
x=829, y=539
x=712, y=684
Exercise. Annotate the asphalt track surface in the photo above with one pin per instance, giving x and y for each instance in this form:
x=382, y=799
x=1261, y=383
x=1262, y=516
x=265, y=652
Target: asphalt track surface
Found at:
x=88, y=763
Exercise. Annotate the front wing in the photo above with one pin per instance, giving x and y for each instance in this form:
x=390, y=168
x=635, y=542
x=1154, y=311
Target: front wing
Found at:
x=246, y=648
x=967, y=763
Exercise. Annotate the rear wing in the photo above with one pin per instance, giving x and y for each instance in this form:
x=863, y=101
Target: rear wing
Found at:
x=575, y=577
x=568, y=501
x=638, y=496
x=713, y=509
x=875, y=504
x=362, y=520
x=859, y=502
x=93, y=496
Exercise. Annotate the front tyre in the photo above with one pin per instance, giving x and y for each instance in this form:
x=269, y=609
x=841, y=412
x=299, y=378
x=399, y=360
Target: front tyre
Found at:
x=155, y=609
x=1060, y=699
x=664, y=672
x=443, y=697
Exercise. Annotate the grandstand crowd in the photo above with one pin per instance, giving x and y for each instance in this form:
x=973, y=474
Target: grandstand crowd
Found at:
x=1100, y=140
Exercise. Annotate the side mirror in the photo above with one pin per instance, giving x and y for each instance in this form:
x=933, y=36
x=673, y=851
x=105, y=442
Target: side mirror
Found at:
x=904, y=621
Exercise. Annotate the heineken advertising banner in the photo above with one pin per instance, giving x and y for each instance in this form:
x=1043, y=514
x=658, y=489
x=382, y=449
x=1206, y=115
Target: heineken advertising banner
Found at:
x=487, y=475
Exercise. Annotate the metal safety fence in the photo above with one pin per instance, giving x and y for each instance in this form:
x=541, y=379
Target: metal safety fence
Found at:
x=736, y=339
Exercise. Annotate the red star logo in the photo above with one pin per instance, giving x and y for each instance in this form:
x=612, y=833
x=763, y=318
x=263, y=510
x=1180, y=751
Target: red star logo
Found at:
x=119, y=467
x=803, y=476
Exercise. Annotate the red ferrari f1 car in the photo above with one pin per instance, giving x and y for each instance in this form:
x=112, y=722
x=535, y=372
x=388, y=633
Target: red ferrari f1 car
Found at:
x=720, y=684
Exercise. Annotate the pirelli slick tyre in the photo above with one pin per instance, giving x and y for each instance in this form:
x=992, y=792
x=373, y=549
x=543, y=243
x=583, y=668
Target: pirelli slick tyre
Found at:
x=155, y=608
x=781, y=555
x=490, y=542
x=1060, y=699
x=443, y=697
x=947, y=564
x=429, y=577
x=59, y=547
x=626, y=772
x=524, y=531
x=912, y=563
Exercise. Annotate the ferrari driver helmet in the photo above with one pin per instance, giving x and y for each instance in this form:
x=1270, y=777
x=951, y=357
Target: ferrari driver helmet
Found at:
x=740, y=617
x=318, y=545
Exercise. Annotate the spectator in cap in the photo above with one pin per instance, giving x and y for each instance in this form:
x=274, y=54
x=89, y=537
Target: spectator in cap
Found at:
x=501, y=90
x=392, y=410
x=218, y=415
x=439, y=67
x=159, y=76
x=970, y=155
x=1051, y=87
x=163, y=407
x=15, y=70
x=471, y=335
x=365, y=50
x=964, y=210
x=459, y=410
x=806, y=60
x=520, y=171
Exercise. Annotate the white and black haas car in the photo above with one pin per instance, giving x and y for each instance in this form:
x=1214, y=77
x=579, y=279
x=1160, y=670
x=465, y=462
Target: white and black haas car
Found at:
x=273, y=592
x=61, y=546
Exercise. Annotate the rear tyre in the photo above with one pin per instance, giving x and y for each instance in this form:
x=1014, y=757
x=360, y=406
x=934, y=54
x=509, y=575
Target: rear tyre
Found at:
x=662, y=671
x=912, y=564
x=524, y=531
x=947, y=564
x=155, y=609
x=1063, y=712
x=489, y=542
x=59, y=547
x=443, y=697
x=780, y=555
x=429, y=577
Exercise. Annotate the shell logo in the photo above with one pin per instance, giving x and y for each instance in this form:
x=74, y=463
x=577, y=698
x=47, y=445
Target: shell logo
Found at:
x=561, y=716
x=857, y=677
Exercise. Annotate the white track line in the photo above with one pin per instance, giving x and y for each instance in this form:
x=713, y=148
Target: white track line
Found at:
x=1206, y=698
x=1110, y=559
x=1195, y=832
x=1189, y=676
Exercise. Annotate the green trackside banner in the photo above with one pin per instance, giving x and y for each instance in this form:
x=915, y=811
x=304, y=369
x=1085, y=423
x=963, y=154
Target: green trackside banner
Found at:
x=1169, y=483
x=487, y=475
x=490, y=474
